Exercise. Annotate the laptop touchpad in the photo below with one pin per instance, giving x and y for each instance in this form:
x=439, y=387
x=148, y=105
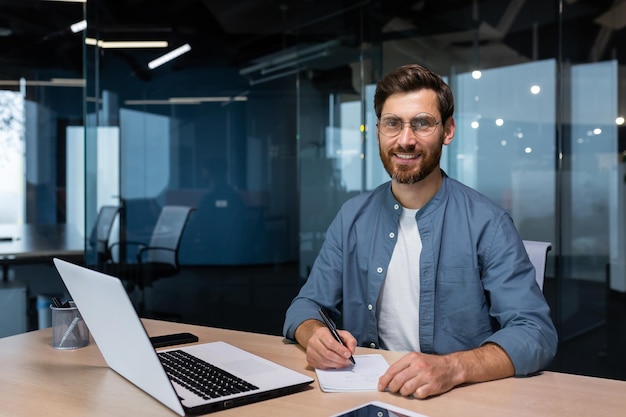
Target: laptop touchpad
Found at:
x=248, y=367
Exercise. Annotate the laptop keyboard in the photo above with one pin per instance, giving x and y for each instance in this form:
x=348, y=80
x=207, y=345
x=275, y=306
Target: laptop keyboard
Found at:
x=200, y=377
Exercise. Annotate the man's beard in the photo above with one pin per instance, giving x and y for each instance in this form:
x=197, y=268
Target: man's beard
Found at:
x=404, y=174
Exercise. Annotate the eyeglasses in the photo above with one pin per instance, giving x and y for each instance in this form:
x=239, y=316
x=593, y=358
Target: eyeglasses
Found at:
x=422, y=125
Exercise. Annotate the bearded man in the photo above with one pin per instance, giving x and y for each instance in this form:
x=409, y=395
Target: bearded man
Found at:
x=423, y=264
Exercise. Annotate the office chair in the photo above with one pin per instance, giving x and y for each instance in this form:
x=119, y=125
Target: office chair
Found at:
x=158, y=259
x=538, y=253
x=100, y=234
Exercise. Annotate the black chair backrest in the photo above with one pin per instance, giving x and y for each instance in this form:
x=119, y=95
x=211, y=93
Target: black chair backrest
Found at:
x=102, y=230
x=167, y=234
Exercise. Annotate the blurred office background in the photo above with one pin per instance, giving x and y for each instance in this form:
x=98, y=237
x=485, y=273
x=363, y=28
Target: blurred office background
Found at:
x=264, y=123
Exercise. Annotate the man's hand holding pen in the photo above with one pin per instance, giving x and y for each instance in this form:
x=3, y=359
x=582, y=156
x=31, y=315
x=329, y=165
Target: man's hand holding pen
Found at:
x=323, y=350
x=330, y=324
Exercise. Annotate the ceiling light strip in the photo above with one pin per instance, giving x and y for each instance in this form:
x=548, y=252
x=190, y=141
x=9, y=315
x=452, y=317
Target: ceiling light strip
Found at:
x=125, y=44
x=134, y=44
x=186, y=100
x=169, y=56
x=78, y=26
x=146, y=102
x=55, y=82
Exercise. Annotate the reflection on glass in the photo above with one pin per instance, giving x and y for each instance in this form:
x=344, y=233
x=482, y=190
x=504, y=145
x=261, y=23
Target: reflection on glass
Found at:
x=12, y=157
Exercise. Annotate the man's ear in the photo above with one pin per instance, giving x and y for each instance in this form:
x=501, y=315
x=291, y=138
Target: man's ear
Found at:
x=449, y=128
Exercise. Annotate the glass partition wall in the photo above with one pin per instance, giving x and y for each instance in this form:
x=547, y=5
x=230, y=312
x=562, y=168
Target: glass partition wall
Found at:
x=264, y=123
x=39, y=105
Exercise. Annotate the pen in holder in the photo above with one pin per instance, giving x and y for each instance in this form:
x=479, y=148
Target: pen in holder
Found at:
x=69, y=330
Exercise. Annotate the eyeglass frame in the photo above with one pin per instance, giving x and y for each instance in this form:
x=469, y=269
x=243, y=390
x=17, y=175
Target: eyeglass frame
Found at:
x=413, y=129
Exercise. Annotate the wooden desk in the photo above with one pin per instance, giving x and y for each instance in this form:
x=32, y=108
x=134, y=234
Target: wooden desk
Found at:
x=36, y=243
x=38, y=380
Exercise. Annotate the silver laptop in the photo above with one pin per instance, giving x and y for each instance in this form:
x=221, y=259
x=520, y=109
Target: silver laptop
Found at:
x=126, y=347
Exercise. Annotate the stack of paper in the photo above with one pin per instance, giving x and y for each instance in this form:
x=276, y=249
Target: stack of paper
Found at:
x=362, y=376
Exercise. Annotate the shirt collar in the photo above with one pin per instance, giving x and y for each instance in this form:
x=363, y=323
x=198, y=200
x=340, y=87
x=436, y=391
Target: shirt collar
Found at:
x=433, y=203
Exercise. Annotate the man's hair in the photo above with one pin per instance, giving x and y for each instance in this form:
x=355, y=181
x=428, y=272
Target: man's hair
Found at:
x=414, y=77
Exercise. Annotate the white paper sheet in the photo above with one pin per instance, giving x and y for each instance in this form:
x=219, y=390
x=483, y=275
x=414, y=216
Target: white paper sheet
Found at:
x=362, y=376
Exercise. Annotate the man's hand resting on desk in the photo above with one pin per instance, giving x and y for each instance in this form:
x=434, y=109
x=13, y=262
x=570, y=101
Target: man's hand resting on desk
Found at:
x=322, y=350
x=423, y=375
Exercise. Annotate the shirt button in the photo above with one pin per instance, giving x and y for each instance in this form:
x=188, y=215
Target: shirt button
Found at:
x=396, y=206
x=373, y=345
x=370, y=307
x=379, y=270
x=392, y=235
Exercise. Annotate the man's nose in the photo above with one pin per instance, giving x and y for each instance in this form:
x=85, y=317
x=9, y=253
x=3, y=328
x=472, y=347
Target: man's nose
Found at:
x=406, y=135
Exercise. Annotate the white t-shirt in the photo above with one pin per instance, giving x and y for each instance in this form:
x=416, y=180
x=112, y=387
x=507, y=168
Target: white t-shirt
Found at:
x=398, y=301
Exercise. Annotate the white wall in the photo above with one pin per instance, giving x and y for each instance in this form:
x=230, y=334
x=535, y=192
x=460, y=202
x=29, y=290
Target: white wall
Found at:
x=107, y=172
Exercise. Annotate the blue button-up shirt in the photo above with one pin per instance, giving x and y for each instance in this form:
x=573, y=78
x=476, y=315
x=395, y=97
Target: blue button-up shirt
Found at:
x=477, y=284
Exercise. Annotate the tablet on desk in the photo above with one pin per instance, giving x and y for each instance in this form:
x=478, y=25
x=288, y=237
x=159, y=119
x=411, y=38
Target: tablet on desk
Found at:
x=378, y=409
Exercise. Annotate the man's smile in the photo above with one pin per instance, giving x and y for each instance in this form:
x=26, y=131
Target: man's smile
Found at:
x=406, y=155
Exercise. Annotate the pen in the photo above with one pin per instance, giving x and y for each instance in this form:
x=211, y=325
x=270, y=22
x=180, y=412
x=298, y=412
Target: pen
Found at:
x=57, y=303
x=69, y=330
x=333, y=330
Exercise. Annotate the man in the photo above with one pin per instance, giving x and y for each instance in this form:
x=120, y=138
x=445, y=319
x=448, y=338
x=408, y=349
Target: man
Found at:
x=423, y=264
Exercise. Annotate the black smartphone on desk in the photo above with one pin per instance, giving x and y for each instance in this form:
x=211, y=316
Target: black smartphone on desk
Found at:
x=173, y=339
